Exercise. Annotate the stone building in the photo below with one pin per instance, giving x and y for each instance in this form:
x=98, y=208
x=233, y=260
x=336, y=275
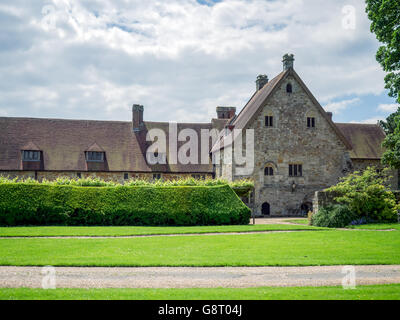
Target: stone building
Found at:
x=298, y=148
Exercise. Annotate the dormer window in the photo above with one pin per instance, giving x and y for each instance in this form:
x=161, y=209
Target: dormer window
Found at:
x=94, y=156
x=30, y=155
x=289, y=88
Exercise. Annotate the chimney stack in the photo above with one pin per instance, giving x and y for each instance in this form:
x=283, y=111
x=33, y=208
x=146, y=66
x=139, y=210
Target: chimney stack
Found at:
x=226, y=112
x=137, y=117
x=329, y=114
x=288, y=61
x=261, y=81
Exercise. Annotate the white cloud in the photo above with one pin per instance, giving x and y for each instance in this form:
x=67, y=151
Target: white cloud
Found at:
x=388, y=107
x=373, y=120
x=341, y=105
x=178, y=58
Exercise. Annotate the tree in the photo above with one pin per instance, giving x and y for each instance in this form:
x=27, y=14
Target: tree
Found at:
x=391, y=157
x=390, y=124
x=385, y=17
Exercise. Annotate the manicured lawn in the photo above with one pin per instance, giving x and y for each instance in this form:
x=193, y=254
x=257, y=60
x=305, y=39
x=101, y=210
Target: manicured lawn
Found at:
x=131, y=231
x=372, y=292
x=285, y=249
x=299, y=221
x=378, y=226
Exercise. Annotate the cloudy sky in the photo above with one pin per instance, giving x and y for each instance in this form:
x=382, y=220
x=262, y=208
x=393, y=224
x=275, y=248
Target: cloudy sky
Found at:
x=93, y=59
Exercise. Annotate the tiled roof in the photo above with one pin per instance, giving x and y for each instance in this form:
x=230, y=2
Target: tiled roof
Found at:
x=64, y=143
x=366, y=139
x=258, y=100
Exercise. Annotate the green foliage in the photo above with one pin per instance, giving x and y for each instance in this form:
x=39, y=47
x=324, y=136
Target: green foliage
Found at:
x=391, y=123
x=335, y=216
x=385, y=17
x=391, y=156
x=241, y=187
x=51, y=204
x=366, y=195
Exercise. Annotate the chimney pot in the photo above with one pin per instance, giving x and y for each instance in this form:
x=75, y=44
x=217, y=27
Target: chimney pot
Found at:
x=262, y=80
x=288, y=61
x=137, y=117
x=226, y=112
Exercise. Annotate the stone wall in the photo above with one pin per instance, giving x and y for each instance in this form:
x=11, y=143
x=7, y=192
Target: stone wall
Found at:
x=319, y=150
x=362, y=164
x=324, y=198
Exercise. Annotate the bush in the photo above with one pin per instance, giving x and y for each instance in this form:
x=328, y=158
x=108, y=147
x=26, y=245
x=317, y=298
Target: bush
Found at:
x=366, y=195
x=43, y=204
x=334, y=216
x=241, y=187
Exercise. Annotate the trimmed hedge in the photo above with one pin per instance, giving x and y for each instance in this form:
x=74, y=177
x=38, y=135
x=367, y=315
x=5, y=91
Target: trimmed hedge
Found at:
x=41, y=204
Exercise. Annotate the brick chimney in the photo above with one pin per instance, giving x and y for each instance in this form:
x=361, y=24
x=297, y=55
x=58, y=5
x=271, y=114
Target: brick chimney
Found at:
x=226, y=112
x=261, y=81
x=288, y=61
x=137, y=117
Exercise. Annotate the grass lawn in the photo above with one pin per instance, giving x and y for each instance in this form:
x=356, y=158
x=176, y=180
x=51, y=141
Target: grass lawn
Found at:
x=299, y=221
x=378, y=226
x=305, y=248
x=371, y=292
x=131, y=231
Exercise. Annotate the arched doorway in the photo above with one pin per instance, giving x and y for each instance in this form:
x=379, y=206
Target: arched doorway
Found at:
x=265, y=210
x=305, y=208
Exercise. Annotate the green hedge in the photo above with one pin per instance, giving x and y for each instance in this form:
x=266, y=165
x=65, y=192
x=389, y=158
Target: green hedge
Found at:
x=41, y=204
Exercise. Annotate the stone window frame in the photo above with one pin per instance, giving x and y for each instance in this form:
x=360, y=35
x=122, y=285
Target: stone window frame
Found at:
x=270, y=171
x=269, y=178
x=270, y=114
x=157, y=176
x=289, y=88
x=295, y=168
x=311, y=120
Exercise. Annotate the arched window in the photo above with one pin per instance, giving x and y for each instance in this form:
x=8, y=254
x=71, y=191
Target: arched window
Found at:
x=268, y=171
x=265, y=209
x=289, y=88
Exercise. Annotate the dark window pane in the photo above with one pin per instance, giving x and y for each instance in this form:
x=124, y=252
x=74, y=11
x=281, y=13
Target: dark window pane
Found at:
x=271, y=171
x=295, y=170
x=95, y=156
x=290, y=170
x=300, y=170
x=271, y=121
x=30, y=155
x=313, y=122
x=126, y=176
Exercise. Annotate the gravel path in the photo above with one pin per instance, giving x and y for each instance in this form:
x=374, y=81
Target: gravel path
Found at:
x=194, y=277
x=158, y=235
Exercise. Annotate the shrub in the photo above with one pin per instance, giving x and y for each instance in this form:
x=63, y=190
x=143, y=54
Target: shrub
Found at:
x=366, y=195
x=334, y=216
x=241, y=187
x=49, y=204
